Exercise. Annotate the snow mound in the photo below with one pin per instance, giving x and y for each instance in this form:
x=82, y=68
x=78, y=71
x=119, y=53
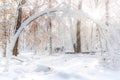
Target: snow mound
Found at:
x=41, y=68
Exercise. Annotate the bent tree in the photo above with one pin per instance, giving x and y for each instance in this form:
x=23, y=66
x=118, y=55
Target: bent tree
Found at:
x=64, y=8
x=11, y=45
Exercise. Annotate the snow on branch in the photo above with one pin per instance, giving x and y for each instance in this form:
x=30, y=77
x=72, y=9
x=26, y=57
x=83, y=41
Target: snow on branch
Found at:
x=60, y=7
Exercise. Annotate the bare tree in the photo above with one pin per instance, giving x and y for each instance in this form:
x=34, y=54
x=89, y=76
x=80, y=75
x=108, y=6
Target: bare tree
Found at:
x=50, y=29
x=107, y=12
x=5, y=31
x=18, y=24
x=78, y=33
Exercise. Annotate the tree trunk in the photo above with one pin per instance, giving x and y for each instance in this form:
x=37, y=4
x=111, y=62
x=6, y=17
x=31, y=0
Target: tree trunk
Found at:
x=50, y=29
x=107, y=12
x=15, y=50
x=5, y=34
x=4, y=42
x=78, y=33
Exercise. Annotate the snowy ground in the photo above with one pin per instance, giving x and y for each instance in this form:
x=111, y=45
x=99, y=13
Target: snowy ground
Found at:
x=57, y=67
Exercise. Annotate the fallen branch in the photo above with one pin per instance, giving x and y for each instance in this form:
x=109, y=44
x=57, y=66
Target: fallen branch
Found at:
x=16, y=58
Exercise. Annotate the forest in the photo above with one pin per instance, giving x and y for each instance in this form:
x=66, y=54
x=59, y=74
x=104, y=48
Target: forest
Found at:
x=59, y=39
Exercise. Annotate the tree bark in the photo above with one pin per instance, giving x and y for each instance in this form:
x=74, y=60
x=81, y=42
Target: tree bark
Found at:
x=15, y=50
x=107, y=12
x=50, y=29
x=5, y=34
x=4, y=42
x=78, y=33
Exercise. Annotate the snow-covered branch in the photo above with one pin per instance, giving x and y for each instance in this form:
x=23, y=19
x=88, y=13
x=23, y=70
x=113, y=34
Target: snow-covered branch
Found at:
x=28, y=21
